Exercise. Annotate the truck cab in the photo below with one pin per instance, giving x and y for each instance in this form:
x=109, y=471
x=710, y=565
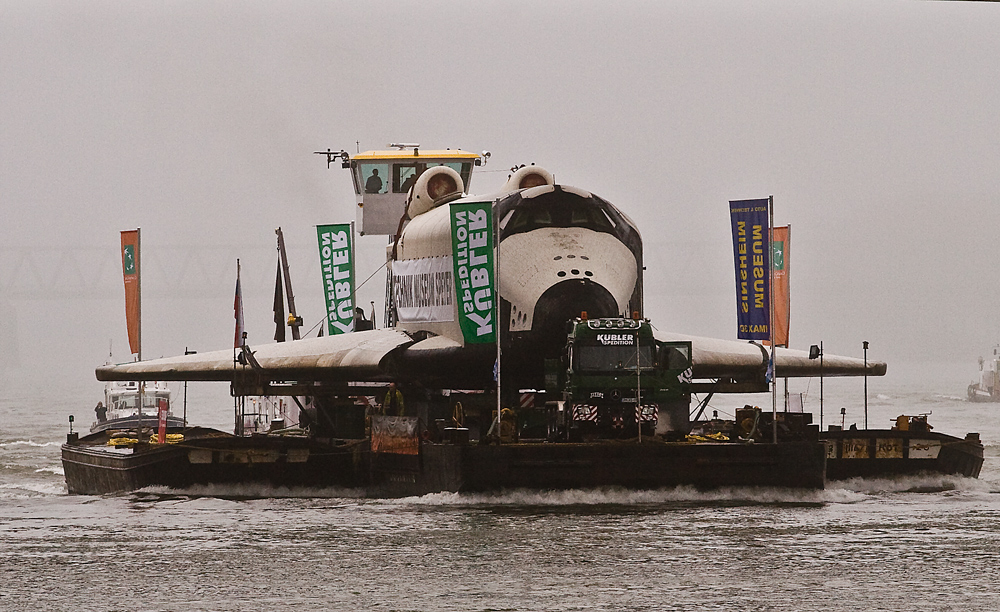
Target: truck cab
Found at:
x=615, y=380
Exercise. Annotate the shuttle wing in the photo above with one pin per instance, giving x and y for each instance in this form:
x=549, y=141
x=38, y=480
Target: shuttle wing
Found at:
x=388, y=354
x=379, y=355
x=357, y=356
x=746, y=363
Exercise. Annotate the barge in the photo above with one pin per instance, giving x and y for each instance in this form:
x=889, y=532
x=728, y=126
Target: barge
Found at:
x=910, y=447
x=525, y=302
x=408, y=464
x=99, y=464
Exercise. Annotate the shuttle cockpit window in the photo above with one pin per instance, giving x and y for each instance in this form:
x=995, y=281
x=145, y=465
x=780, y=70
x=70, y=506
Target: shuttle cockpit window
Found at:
x=527, y=218
x=404, y=175
x=583, y=215
x=375, y=177
x=545, y=213
x=506, y=219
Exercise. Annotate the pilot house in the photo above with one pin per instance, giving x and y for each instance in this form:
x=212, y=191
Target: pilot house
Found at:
x=382, y=180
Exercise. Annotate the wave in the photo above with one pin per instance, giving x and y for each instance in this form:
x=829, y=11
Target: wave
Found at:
x=916, y=483
x=625, y=497
x=30, y=443
x=251, y=491
x=838, y=492
x=52, y=470
x=522, y=497
x=951, y=398
x=30, y=489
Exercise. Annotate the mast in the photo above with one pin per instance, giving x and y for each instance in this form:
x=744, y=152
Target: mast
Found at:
x=788, y=295
x=293, y=320
x=496, y=301
x=138, y=290
x=638, y=383
x=770, y=324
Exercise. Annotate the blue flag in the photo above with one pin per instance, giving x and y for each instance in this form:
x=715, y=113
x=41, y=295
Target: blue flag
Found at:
x=752, y=255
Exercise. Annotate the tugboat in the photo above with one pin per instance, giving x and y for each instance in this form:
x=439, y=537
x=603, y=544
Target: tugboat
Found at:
x=987, y=389
x=120, y=409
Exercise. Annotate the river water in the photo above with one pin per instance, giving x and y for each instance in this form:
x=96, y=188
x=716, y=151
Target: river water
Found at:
x=920, y=543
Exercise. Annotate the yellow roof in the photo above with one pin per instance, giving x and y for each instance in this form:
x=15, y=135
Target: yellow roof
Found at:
x=418, y=154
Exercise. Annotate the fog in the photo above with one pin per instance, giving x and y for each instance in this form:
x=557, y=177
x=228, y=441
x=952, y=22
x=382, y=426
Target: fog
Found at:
x=873, y=124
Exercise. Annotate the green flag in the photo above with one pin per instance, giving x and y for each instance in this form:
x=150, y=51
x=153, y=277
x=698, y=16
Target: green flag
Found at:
x=336, y=261
x=475, y=284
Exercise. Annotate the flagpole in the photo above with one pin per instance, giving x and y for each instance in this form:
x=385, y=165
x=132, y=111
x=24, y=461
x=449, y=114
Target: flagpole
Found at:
x=786, y=254
x=770, y=327
x=496, y=300
x=638, y=384
x=237, y=308
x=138, y=310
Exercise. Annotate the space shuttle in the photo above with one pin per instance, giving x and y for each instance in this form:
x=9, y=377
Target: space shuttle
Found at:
x=563, y=252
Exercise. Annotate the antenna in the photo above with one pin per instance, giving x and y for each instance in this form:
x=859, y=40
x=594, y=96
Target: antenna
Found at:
x=332, y=155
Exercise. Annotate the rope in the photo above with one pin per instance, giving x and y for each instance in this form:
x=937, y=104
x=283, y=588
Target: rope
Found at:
x=353, y=294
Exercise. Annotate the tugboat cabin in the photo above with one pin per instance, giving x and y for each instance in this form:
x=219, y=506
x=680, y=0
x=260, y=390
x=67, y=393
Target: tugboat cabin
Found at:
x=382, y=180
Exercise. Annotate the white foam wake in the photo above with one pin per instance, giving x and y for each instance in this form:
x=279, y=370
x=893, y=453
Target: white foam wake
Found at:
x=29, y=443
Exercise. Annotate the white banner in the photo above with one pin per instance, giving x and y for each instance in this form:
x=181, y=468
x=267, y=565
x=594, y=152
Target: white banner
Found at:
x=423, y=289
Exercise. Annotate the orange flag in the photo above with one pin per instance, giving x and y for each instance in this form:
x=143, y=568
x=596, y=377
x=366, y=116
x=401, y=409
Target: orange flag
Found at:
x=781, y=242
x=130, y=270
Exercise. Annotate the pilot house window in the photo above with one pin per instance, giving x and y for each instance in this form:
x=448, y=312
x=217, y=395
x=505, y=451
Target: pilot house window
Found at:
x=374, y=178
x=404, y=175
x=399, y=177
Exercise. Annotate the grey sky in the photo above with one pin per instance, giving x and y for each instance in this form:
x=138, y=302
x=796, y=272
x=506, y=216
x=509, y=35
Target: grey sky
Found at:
x=873, y=124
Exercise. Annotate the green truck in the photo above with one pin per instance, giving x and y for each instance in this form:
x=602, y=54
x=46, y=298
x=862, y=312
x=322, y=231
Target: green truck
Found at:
x=615, y=380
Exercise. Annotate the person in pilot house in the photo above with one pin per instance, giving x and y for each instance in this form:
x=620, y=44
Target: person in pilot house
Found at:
x=408, y=183
x=374, y=182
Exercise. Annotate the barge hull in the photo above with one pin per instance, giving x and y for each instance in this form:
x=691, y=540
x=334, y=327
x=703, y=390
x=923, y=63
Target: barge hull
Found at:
x=603, y=464
x=880, y=453
x=217, y=459
x=443, y=467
